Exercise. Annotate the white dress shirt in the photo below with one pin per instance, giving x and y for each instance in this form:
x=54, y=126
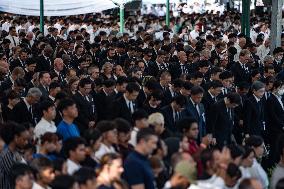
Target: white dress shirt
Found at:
x=72, y=167
x=43, y=127
x=133, y=136
x=37, y=186
x=104, y=149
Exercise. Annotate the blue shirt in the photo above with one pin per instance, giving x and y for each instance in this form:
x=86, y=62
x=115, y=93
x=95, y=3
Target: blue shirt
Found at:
x=67, y=131
x=137, y=170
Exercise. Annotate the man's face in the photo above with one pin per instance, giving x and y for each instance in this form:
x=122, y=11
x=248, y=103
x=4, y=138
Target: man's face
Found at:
x=31, y=67
x=51, y=113
x=123, y=137
x=22, y=140
x=47, y=175
x=80, y=153
x=95, y=73
x=216, y=91
x=259, y=93
x=193, y=131
x=111, y=53
x=86, y=89
x=151, y=144
x=46, y=80
x=72, y=111
x=59, y=65
x=111, y=136
x=109, y=90
x=132, y=96
x=25, y=181
x=24, y=56
x=13, y=32
x=182, y=57
x=166, y=80
x=79, y=51
x=197, y=98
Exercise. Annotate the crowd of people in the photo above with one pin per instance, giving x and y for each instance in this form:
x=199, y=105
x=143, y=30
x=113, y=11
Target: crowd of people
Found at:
x=196, y=104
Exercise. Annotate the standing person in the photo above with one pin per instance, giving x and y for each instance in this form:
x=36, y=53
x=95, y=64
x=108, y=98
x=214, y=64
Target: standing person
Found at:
x=66, y=128
x=254, y=121
x=278, y=172
x=138, y=172
x=16, y=138
x=140, y=121
x=85, y=104
x=275, y=117
x=24, y=110
x=221, y=119
x=125, y=106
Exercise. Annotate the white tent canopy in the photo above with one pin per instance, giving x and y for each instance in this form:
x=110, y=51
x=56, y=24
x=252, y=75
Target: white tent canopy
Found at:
x=159, y=1
x=55, y=7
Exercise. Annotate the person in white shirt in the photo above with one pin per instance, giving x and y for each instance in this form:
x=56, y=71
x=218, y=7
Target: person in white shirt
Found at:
x=247, y=162
x=13, y=37
x=109, y=138
x=75, y=150
x=46, y=123
x=140, y=118
x=44, y=173
x=263, y=50
x=195, y=33
x=257, y=144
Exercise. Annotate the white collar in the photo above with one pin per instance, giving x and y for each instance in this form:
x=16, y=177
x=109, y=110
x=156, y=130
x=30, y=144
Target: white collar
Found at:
x=51, y=97
x=126, y=100
x=26, y=102
x=256, y=98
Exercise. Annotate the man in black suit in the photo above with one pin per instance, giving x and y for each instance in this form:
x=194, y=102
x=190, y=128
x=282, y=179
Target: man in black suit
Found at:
x=240, y=69
x=147, y=55
x=86, y=105
x=104, y=99
x=275, y=117
x=54, y=89
x=30, y=69
x=58, y=69
x=227, y=79
x=195, y=109
x=18, y=72
x=44, y=62
x=53, y=39
x=21, y=61
x=146, y=90
x=44, y=82
x=173, y=91
x=180, y=67
x=125, y=106
x=254, y=122
x=217, y=53
x=221, y=119
x=210, y=96
x=79, y=50
x=24, y=111
x=278, y=56
x=156, y=67
x=172, y=113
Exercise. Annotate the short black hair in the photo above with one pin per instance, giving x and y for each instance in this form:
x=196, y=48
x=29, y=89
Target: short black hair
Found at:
x=45, y=105
x=122, y=125
x=9, y=130
x=195, y=90
x=92, y=135
x=236, y=151
x=234, y=98
x=105, y=126
x=121, y=80
x=84, y=174
x=63, y=182
x=40, y=164
x=186, y=123
x=65, y=103
x=54, y=85
x=254, y=141
x=145, y=134
x=234, y=171
x=19, y=170
x=132, y=87
x=225, y=75
x=139, y=114
x=40, y=76
x=215, y=84
x=84, y=81
x=109, y=83
x=71, y=144
x=180, y=100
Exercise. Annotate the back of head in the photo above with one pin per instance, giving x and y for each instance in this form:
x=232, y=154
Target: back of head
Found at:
x=63, y=182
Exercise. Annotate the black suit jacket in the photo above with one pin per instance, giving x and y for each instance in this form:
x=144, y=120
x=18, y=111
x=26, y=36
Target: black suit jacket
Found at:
x=43, y=64
x=275, y=116
x=16, y=63
x=153, y=69
x=103, y=105
x=253, y=116
x=240, y=74
x=221, y=123
x=208, y=102
x=21, y=114
x=176, y=69
x=170, y=123
x=44, y=91
x=141, y=98
x=85, y=110
x=5, y=85
x=121, y=110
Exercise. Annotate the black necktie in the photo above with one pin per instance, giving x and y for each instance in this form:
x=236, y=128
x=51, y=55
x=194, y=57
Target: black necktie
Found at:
x=14, y=41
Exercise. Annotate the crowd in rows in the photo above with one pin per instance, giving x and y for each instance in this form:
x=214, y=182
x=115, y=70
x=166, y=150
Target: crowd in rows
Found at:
x=196, y=104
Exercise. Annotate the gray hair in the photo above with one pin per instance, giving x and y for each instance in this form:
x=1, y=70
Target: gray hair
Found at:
x=257, y=85
x=267, y=58
x=34, y=92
